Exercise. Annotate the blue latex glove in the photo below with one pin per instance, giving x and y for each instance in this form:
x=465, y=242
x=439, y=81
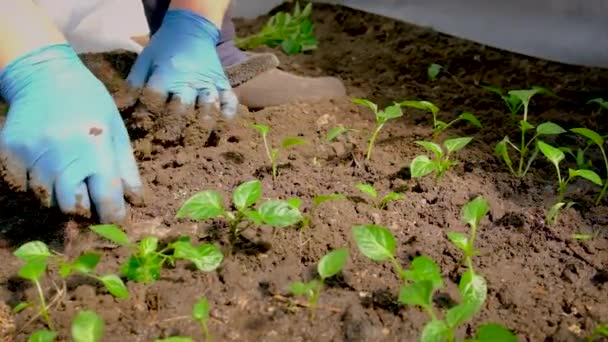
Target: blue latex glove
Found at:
x=64, y=138
x=181, y=61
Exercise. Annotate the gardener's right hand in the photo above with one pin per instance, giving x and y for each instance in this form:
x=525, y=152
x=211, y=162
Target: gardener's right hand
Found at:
x=64, y=138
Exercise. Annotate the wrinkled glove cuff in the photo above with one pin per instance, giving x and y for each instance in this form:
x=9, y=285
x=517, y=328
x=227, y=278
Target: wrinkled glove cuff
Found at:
x=46, y=63
x=188, y=22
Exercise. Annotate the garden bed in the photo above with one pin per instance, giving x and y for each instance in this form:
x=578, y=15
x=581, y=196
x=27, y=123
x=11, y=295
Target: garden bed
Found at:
x=543, y=284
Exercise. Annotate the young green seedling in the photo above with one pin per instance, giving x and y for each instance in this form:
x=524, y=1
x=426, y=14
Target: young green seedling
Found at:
x=600, y=330
x=579, y=156
x=208, y=204
x=87, y=326
x=316, y=202
x=470, y=214
x=438, y=125
x=273, y=153
x=329, y=265
x=423, y=165
x=200, y=313
x=370, y=191
x=422, y=280
x=382, y=117
x=337, y=131
x=598, y=140
x=603, y=104
x=433, y=71
x=147, y=258
x=517, y=98
x=502, y=148
x=38, y=258
x=294, y=33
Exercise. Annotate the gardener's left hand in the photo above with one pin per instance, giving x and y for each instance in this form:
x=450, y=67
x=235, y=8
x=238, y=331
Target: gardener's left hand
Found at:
x=181, y=61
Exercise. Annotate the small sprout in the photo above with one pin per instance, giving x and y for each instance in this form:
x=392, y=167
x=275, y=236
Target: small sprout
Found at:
x=438, y=125
x=273, y=153
x=552, y=213
x=43, y=336
x=87, y=327
x=516, y=99
x=316, y=202
x=147, y=259
x=370, y=191
x=329, y=265
x=294, y=33
x=337, y=131
x=433, y=71
x=596, y=139
x=382, y=117
x=471, y=214
x=423, y=165
x=200, y=313
x=603, y=104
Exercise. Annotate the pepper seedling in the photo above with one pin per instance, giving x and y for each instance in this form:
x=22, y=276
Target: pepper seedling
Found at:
x=200, y=313
x=316, y=202
x=438, y=125
x=382, y=117
x=517, y=98
x=471, y=214
x=208, y=204
x=293, y=32
x=598, y=140
x=87, y=326
x=147, y=258
x=422, y=165
x=371, y=191
x=273, y=153
x=422, y=280
x=37, y=257
x=329, y=265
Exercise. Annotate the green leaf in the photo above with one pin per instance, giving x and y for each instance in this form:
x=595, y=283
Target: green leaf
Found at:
x=33, y=269
x=255, y=217
x=434, y=331
x=42, y=336
x=292, y=141
x=473, y=288
x=375, y=242
x=460, y=313
x=20, y=307
x=472, y=212
x=422, y=105
x=367, y=103
x=419, y=293
x=148, y=245
x=112, y=233
x=86, y=262
x=115, y=286
x=525, y=125
x=460, y=240
x=587, y=174
x=525, y=95
x=299, y=288
x=206, y=257
x=552, y=213
x=424, y=268
x=33, y=250
x=246, y=194
x=332, y=263
x=456, y=144
x=279, y=214
x=553, y=154
x=262, y=129
x=422, y=166
x=582, y=236
x=202, y=206
x=431, y=146
x=433, y=71
x=87, y=326
x=175, y=339
x=501, y=151
x=472, y=119
x=389, y=113
x=494, y=333
x=589, y=134
x=392, y=196
x=335, y=132
x=294, y=202
x=319, y=199
x=142, y=269
x=200, y=311
x=549, y=128
x=368, y=189
x=601, y=102
x=291, y=47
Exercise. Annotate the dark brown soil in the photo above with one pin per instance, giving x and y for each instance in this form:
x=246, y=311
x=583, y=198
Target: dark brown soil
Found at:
x=543, y=284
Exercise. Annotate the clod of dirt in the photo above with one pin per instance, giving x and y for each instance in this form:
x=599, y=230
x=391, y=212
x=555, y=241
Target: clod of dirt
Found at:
x=7, y=324
x=357, y=326
x=511, y=219
x=600, y=278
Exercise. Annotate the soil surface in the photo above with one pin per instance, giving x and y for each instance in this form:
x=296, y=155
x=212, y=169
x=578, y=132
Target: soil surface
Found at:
x=543, y=284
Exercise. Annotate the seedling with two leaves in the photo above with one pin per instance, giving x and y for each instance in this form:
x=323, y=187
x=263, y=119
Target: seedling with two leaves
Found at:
x=422, y=165
x=371, y=191
x=438, y=125
x=273, y=152
x=200, y=313
x=87, y=326
x=294, y=33
x=38, y=258
x=382, y=117
x=208, y=204
x=329, y=265
x=593, y=138
x=316, y=202
x=148, y=258
x=517, y=98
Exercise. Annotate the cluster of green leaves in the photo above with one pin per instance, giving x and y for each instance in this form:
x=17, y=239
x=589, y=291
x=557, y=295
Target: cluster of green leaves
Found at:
x=329, y=265
x=371, y=191
x=423, y=279
x=517, y=98
x=273, y=152
x=87, y=326
x=422, y=165
x=306, y=221
x=37, y=258
x=593, y=138
x=148, y=258
x=382, y=117
x=440, y=126
x=294, y=33
x=200, y=313
x=209, y=204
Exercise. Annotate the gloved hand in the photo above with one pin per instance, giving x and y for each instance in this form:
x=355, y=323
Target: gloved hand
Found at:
x=181, y=60
x=64, y=131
